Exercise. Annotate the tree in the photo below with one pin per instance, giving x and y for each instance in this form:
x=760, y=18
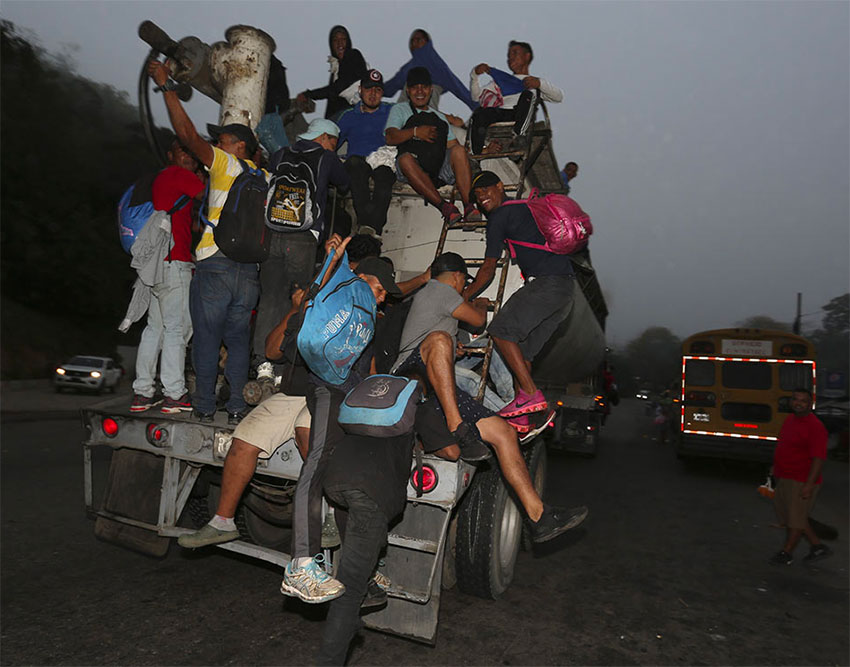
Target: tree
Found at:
x=832, y=340
x=763, y=322
x=654, y=356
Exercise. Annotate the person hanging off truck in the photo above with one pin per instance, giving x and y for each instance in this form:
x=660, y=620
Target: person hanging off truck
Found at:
x=532, y=314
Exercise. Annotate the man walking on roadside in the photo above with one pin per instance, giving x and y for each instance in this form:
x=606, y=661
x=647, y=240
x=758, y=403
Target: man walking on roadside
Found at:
x=797, y=464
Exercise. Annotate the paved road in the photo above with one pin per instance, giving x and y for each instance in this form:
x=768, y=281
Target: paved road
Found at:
x=669, y=569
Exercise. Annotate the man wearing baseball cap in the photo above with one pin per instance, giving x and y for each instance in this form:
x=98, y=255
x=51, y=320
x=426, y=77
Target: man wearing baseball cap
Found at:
x=415, y=141
x=362, y=128
x=525, y=323
x=292, y=254
x=223, y=292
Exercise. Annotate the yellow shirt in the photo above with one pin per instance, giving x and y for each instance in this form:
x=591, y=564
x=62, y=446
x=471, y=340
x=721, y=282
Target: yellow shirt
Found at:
x=224, y=170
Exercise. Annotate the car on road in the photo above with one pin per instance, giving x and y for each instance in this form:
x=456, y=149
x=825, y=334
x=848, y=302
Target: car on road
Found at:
x=88, y=372
x=643, y=394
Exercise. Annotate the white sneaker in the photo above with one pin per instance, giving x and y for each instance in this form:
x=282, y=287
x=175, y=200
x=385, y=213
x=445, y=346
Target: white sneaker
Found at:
x=265, y=370
x=310, y=582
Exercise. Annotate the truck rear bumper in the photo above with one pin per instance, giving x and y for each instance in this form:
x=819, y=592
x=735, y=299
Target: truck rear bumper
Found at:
x=711, y=446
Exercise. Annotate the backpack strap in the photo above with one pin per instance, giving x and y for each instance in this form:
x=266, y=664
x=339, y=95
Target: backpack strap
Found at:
x=511, y=243
x=182, y=200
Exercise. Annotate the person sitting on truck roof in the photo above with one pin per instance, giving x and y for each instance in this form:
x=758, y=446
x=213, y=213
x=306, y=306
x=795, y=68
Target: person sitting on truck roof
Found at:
x=525, y=323
x=462, y=424
x=362, y=128
x=169, y=325
x=347, y=67
x=417, y=131
x=508, y=97
x=223, y=292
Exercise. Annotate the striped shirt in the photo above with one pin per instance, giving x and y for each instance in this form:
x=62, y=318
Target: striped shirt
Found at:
x=224, y=170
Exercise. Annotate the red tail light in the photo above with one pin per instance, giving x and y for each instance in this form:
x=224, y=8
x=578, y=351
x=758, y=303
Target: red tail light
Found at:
x=705, y=399
x=157, y=435
x=109, y=426
x=429, y=479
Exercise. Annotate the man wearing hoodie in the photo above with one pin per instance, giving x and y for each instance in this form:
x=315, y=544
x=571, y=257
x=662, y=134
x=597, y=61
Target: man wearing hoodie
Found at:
x=347, y=68
x=292, y=255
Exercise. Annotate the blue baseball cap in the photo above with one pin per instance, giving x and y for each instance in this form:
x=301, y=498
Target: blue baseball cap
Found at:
x=318, y=127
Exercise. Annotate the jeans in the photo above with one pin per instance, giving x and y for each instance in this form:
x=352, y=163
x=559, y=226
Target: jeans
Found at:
x=370, y=207
x=499, y=374
x=292, y=259
x=363, y=537
x=522, y=115
x=168, y=330
x=222, y=295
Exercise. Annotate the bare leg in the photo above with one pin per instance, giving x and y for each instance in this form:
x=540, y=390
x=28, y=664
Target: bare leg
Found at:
x=302, y=441
x=502, y=437
x=793, y=537
x=238, y=469
x=437, y=351
x=516, y=362
x=450, y=453
x=419, y=180
x=462, y=171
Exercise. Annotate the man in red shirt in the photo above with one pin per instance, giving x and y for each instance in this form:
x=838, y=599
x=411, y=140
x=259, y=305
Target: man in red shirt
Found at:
x=797, y=464
x=169, y=326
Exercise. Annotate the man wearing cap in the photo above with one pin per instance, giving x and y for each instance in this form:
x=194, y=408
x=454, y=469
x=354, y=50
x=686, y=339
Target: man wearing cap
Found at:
x=525, y=323
x=407, y=135
x=362, y=128
x=292, y=254
x=464, y=424
x=223, y=292
x=510, y=96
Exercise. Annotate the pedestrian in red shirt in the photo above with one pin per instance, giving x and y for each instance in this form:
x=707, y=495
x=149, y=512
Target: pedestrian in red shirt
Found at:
x=797, y=464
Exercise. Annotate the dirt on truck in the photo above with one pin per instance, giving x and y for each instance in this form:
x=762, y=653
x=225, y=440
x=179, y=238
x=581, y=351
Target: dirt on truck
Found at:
x=461, y=525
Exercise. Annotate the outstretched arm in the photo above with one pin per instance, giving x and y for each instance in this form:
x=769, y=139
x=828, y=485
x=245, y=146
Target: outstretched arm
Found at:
x=274, y=341
x=180, y=121
x=482, y=278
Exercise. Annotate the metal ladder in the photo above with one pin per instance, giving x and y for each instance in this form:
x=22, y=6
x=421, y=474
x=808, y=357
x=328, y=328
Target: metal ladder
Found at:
x=536, y=144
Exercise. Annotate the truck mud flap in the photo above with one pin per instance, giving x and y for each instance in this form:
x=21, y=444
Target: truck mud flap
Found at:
x=133, y=491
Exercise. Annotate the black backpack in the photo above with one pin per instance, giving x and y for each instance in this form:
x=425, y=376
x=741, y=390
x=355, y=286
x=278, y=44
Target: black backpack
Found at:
x=241, y=232
x=430, y=156
x=292, y=205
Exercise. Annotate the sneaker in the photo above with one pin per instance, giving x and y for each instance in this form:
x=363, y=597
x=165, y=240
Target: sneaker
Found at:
x=233, y=418
x=141, y=403
x=471, y=214
x=203, y=417
x=523, y=404
x=450, y=213
x=554, y=521
x=534, y=432
x=818, y=552
x=265, y=370
x=472, y=447
x=310, y=583
x=381, y=579
x=522, y=424
x=781, y=558
x=206, y=536
x=375, y=596
x=171, y=406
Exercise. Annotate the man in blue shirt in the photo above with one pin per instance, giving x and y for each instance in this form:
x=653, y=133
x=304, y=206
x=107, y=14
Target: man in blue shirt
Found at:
x=362, y=127
x=569, y=172
x=525, y=323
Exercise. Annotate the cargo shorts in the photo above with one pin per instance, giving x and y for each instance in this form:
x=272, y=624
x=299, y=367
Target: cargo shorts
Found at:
x=273, y=422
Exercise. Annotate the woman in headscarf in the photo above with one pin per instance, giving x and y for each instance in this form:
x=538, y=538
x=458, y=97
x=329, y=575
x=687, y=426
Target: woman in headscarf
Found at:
x=347, y=67
x=424, y=55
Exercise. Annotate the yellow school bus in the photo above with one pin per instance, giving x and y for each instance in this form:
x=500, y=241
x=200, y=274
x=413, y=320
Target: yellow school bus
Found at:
x=736, y=390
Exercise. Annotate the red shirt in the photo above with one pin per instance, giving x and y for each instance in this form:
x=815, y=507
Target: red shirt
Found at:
x=171, y=183
x=801, y=439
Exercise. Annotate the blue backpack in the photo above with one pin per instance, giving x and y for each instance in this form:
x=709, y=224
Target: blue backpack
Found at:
x=136, y=207
x=339, y=323
x=381, y=406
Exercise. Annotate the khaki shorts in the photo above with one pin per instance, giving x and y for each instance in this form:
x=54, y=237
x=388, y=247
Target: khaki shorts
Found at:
x=792, y=510
x=273, y=422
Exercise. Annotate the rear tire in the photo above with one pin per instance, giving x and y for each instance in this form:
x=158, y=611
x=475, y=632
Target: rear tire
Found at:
x=489, y=532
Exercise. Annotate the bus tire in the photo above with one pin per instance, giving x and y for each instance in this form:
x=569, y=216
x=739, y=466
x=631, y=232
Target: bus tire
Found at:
x=489, y=532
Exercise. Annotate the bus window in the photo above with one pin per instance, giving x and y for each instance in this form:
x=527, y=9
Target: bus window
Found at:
x=746, y=375
x=793, y=376
x=699, y=373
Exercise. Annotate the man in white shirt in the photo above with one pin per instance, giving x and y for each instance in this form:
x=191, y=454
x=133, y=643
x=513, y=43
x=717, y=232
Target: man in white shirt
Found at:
x=510, y=96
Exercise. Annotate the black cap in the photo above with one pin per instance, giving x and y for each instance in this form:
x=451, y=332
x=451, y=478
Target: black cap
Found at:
x=372, y=79
x=241, y=132
x=375, y=266
x=484, y=179
x=417, y=75
x=448, y=261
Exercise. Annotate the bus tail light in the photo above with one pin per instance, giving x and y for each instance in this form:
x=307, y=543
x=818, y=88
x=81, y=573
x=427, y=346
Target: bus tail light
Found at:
x=703, y=399
x=109, y=426
x=428, y=481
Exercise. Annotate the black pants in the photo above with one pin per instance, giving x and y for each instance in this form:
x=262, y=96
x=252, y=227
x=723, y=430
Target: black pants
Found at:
x=363, y=537
x=370, y=207
x=522, y=115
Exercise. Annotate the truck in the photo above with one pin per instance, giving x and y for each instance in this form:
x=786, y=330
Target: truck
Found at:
x=461, y=525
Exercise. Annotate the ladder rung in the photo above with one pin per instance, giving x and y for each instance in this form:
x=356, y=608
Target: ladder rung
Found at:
x=492, y=156
x=478, y=262
x=469, y=226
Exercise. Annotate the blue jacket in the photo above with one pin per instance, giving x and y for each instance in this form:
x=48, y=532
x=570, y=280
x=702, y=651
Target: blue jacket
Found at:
x=364, y=132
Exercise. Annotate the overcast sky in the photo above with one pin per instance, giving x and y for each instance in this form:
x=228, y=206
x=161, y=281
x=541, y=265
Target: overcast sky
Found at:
x=712, y=137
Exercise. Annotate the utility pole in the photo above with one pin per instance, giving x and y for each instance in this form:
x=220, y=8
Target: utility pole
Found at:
x=798, y=319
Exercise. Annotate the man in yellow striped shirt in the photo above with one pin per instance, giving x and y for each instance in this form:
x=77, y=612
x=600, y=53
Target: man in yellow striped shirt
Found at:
x=223, y=292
